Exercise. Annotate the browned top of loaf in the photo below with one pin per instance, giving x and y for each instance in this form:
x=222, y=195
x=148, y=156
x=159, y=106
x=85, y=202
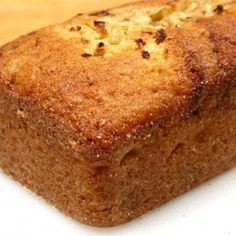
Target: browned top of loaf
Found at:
x=111, y=73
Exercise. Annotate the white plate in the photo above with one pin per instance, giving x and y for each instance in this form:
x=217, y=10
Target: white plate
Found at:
x=207, y=210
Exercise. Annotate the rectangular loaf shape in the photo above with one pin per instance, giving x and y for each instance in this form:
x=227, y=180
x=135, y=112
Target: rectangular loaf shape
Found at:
x=113, y=113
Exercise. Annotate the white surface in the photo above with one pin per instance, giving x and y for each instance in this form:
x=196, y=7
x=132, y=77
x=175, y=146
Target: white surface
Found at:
x=207, y=210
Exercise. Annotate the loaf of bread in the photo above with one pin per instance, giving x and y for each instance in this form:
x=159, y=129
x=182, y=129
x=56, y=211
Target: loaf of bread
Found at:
x=113, y=113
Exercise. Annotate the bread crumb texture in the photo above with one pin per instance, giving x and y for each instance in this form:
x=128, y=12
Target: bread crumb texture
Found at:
x=110, y=32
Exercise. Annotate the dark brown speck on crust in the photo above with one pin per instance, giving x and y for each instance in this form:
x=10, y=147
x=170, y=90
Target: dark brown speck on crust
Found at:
x=160, y=36
x=145, y=54
x=101, y=44
x=100, y=51
x=100, y=13
x=75, y=28
x=140, y=43
x=219, y=9
x=101, y=26
x=86, y=55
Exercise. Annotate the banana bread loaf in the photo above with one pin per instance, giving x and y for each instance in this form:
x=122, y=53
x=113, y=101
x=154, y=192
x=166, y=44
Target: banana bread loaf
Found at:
x=115, y=112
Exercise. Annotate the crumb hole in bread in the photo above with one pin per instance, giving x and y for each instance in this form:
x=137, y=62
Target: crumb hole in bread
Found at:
x=130, y=155
x=174, y=152
x=196, y=112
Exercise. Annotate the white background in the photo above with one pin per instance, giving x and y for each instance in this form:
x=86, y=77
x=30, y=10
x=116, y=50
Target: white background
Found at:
x=207, y=210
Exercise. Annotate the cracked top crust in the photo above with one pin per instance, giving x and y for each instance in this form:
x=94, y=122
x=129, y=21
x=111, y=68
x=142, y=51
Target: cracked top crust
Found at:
x=111, y=73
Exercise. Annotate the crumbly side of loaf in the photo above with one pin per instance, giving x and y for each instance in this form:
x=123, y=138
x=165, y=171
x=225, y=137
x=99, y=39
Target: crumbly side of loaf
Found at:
x=162, y=166
x=119, y=111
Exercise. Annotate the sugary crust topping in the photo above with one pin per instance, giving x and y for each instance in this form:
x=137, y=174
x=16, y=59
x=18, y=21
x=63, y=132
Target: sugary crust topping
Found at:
x=154, y=76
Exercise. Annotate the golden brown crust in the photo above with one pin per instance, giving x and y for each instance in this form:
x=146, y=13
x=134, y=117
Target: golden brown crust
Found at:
x=103, y=104
x=106, y=94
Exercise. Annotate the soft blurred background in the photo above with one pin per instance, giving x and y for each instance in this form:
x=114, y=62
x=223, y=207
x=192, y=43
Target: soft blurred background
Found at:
x=19, y=17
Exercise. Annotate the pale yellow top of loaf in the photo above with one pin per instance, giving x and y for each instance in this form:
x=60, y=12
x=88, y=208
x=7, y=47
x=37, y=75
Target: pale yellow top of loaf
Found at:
x=119, y=29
